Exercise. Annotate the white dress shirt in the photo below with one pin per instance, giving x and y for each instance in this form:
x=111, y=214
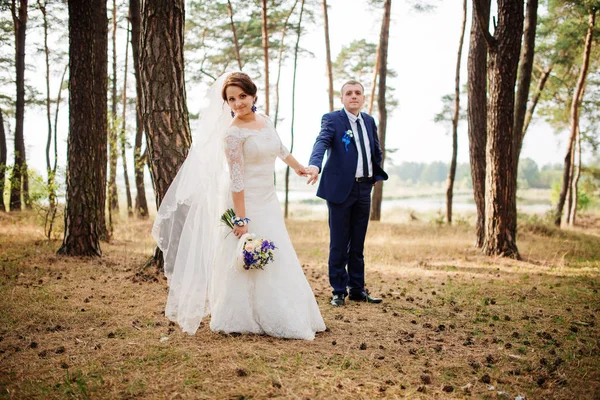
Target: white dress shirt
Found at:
x=359, y=165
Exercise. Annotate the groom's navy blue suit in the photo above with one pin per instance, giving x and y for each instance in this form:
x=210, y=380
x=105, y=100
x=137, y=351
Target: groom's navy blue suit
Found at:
x=349, y=201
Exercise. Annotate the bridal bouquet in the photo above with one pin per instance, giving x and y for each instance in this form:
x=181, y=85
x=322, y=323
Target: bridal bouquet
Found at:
x=251, y=252
x=256, y=253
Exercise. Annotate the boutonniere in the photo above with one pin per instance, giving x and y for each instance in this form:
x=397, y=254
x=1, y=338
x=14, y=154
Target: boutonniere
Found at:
x=347, y=138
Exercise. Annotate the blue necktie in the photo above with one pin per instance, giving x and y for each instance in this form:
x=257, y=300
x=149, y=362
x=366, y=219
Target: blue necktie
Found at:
x=363, y=150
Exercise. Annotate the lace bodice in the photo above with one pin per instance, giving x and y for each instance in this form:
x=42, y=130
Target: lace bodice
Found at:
x=251, y=156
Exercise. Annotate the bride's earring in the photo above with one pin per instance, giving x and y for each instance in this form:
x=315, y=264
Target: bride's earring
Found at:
x=232, y=114
x=253, y=108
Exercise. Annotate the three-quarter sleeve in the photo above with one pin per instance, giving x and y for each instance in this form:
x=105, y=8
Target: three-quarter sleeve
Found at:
x=234, y=153
x=283, y=151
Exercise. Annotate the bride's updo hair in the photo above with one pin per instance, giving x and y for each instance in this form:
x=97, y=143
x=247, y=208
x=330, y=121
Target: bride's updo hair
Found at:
x=242, y=81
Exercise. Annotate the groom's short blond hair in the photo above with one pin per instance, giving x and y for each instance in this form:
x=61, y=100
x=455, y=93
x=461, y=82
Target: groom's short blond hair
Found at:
x=352, y=82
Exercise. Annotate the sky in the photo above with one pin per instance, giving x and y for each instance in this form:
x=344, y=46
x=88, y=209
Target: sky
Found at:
x=422, y=50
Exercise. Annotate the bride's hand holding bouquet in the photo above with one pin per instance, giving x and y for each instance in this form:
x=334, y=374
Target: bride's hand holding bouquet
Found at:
x=251, y=252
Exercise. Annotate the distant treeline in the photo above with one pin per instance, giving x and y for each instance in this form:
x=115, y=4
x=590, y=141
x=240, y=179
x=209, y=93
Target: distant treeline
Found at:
x=530, y=174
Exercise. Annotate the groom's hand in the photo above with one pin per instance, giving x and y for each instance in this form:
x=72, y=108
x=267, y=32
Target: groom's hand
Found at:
x=313, y=174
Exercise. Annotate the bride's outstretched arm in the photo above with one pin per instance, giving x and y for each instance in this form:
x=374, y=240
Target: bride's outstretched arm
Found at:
x=295, y=165
x=289, y=159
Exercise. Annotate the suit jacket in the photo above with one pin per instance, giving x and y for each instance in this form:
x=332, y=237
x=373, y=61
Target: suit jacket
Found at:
x=337, y=176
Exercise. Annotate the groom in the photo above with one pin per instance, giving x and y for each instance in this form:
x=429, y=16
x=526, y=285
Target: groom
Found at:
x=353, y=166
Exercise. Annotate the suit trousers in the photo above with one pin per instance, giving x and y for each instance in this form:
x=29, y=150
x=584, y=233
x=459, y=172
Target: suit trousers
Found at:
x=348, y=222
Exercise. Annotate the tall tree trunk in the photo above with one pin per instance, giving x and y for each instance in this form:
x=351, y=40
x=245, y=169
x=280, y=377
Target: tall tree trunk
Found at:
x=86, y=151
x=504, y=49
x=58, y=101
x=141, y=204
x=328, y=54
x=51, y=216
x=296, y=49
x=524, y=79
x=374, y=83
x=235, y=38
x=49, y=220
x=576, y=175
x=455, y=117
x=113, y=196
x=383, y=52
x=50, y=180
x=3, y=151
x=569, y=197
x=20, y=178
x=280, y=61
x=165, y=113
x=477, y=114
x=575, y=117
x=124, y=132
x=265, y=45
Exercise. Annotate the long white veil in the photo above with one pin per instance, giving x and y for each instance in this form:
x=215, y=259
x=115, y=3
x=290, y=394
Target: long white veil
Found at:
x=188, y=219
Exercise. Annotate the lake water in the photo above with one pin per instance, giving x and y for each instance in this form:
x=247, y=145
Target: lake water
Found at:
x=433, y=203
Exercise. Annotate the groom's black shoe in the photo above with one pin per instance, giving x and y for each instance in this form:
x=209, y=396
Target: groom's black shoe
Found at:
x=338, y=300
x=364, y=296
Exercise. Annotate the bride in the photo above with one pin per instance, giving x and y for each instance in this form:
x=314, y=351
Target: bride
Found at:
x=231, y=165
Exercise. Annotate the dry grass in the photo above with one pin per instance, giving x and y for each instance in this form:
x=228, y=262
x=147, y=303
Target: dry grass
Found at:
x=451, y=320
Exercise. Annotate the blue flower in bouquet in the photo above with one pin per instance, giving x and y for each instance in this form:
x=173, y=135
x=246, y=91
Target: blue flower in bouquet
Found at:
x=267, y=245
x=248, y=259
x=257, y=253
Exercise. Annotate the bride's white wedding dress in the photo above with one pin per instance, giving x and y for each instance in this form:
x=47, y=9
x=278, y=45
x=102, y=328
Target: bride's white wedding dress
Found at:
x=199, y=250
x=278, y=300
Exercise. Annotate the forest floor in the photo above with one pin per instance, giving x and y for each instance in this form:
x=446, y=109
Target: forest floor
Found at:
x=453, y=324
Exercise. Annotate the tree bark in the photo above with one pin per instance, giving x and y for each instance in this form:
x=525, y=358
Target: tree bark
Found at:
x=524, y=79
x=165, y=113
x=265, y=45
x=235, y=38
x=575, y=117
x=86, y=151
x=3, y=151
x=569, y=197
x=296, y=50
x=575, y=179
x=328, y=54
x=124, y=132
x=141, y=204
x=20, y=179
x=477, y=114
x=455, y=116
x=113, y=196
x=500, y=212
x=383, y=52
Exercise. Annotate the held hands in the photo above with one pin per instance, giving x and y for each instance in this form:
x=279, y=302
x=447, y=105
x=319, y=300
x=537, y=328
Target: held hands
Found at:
x=300, y=171
x=312, y=173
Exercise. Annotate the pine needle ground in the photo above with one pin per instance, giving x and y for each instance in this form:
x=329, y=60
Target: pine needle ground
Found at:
x=453, y=324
